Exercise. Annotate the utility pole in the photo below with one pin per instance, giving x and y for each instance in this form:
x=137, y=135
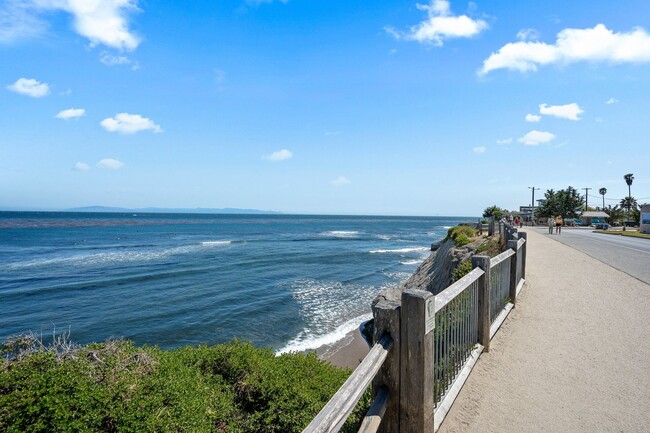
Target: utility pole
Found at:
x=532, y=207
x=586, y=198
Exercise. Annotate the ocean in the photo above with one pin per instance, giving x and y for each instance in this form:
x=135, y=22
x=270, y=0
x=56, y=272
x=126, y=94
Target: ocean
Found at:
x=291, y=282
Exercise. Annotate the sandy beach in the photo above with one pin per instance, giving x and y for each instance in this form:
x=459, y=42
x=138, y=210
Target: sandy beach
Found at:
x=346, y=353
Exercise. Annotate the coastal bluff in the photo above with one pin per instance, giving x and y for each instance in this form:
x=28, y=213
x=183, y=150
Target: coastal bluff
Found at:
x=436, y=271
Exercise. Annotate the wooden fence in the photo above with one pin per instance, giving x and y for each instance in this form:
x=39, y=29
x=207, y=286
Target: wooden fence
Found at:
x=426, y=346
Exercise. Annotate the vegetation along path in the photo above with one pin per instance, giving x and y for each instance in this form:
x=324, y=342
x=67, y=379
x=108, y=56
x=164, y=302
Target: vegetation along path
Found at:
x=573, y=356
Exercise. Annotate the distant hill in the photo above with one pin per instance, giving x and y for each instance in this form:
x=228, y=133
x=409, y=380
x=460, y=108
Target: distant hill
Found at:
x=227, y=210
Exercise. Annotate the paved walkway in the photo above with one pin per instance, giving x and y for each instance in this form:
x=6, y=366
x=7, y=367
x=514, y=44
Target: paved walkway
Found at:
x=573, y=356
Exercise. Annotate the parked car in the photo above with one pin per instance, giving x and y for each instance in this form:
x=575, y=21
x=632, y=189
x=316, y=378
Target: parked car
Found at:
x=601, y=226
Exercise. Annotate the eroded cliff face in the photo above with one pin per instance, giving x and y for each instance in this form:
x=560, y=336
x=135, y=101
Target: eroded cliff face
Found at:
x=435, y=272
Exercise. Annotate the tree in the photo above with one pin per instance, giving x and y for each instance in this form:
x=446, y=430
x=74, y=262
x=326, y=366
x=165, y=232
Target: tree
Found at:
x=493, y=211
x=629, y=178
x=616, y=214
x=602, y=192
x=629, y=203
x=566, y=202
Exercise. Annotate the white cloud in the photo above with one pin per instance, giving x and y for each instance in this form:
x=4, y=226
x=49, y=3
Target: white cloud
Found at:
x=611, y=101
x=568, y=111
x=573, y=45
x=534, y=138
x=110, y=163
x=81, y=166
x=259, y=2
x=440, y=25
x=479, y=149
x=71, y=113
x=340, y=181
x=533, y=118
x=102, y=22
x=30, y=87
x=505, y=141
x=111, y=60
x=280, y=155
x=18, y=22
x=528, y=35
x=126, y=123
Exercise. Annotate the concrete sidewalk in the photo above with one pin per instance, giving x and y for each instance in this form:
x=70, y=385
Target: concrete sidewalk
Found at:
x=573, y=356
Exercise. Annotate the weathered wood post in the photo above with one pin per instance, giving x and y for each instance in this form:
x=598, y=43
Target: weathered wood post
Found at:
x=523, y=236
x=483, y=262
x=491, y=227
x=387, y=319
x=513, y=271
x=416, y=362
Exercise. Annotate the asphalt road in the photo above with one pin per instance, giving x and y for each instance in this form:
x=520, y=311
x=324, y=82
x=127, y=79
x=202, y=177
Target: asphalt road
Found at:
x=627, y=254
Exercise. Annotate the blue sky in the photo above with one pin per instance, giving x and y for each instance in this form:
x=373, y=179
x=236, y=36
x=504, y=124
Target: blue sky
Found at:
x=438, y=108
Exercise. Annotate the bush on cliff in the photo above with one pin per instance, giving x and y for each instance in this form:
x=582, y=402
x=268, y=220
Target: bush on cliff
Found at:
x=461, y=235
x=115, y=386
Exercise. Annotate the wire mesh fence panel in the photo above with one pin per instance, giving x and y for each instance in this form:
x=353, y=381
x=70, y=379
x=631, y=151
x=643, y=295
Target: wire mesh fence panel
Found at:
x=499, y=287
x=520, y=264
x=456, y=335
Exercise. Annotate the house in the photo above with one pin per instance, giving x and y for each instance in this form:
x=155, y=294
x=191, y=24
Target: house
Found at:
x=593, y=217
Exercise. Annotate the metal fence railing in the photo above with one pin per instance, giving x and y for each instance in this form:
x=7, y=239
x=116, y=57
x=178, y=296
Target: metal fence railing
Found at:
x=426, y=345
x=500, y=283
x=456, y=331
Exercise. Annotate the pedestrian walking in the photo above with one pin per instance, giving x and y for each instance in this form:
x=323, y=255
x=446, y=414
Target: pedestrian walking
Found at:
x=558, y=224
x=551, y=223
x=516, y=221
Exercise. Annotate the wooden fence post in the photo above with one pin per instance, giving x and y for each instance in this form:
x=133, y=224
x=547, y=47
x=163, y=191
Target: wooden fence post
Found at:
x=513, y=271
x=416, y=362
x=524, y=236
x=483, y=262
x=387, y=319
x=491, y=227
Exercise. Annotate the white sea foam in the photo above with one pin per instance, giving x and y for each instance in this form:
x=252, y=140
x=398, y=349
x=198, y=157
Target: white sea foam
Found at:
x=384, y=237
x=215, y=243
x=113, y=257
x=411, y=262
x=341, y=233
x=306, y=340
x=400, y=250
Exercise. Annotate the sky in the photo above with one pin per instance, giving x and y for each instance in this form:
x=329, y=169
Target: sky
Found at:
x=334, y=107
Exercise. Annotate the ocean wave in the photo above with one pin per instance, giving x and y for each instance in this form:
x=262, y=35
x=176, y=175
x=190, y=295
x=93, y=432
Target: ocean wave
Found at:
x=215, y=243
x=113, y=257
x=307, y=340
x=384, y=237
x=400, y=250
x=411, y=262
x=341, y=233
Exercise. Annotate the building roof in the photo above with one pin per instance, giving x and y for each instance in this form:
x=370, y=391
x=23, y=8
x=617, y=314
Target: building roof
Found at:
x=594, y=214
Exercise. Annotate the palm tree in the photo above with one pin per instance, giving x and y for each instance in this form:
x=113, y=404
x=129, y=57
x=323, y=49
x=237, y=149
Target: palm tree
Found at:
x=616, y=214
x=629, y=203
x=629, y=178
x=602, y=192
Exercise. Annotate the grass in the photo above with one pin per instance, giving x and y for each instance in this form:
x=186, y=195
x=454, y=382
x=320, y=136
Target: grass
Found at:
x=633, y=234
x=115, y=386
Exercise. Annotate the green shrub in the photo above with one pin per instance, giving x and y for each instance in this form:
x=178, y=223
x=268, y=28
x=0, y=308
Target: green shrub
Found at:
x=463, y=269
x=461, y=240
x=117, y=387
x=492, y=248
x=461, y=235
